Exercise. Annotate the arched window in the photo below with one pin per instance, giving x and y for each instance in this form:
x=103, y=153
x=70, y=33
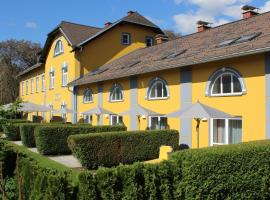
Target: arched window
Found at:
x=87, y=96
x=58, y=49
x=116, y=93
x=158, y=89
x=226, y=82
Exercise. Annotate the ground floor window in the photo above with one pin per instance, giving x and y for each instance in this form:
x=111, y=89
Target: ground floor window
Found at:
x=226, y=131
x=88, y=119
x=158, y=122
x=116, y=120
x=64, y=114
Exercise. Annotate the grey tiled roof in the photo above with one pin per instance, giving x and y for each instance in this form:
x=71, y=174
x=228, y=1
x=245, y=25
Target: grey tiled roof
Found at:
x=195, y=48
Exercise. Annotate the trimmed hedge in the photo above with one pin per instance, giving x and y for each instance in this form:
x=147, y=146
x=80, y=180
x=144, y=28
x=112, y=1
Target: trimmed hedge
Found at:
x=52, y=140
x=12, y=131
x=5, y=121
x=36, y=177
x=227, y=172
x=27, y=134
x=110, y=149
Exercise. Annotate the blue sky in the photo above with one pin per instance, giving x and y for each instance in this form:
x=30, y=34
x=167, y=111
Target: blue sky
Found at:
x=33, y=19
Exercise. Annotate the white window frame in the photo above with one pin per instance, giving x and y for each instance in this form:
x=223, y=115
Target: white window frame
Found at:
x=64, y=75
x=51, y=112
x=64, y=115
x=152, y=40
x=232, y=93
x=37, y=84
x=90, y=119
x=61, y=48
x=153, y=84
x=32, y=85
x=117, y=119
x=129, y=39
x=52, y=76
x=43, y=88
x=226, y=130
x=22, y=88
x=112, y=92
x=84, y=95
x=26, y=87
x=159, y=119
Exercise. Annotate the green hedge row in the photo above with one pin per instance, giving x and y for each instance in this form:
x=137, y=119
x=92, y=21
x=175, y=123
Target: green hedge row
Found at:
x=27, y=134
x=12, y=131
x=52, y=140
x=36, y=177
x=229, y=172
x=5, y=121
x=110, y=149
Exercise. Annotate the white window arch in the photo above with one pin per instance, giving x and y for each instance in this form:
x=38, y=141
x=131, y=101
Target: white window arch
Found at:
x=58, y=49
x=226, y=82
x=87, y=96
x=116, y=93
x=158, y=89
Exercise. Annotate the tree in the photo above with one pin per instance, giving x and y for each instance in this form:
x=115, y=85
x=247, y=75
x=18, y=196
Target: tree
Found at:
x=15, y=56
x=172, y=34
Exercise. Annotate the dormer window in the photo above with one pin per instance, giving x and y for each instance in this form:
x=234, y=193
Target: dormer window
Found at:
x=126, y=39
x=58, y=49
x=116, y=93
x=149, y=41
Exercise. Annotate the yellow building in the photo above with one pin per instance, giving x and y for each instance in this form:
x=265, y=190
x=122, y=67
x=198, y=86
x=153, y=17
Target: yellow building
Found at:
x=72, y=50
x=225, y=67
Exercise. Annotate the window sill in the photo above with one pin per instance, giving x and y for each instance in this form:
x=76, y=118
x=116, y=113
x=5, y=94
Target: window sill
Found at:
x=88, y=102
x=58, y=54
x=226, y=95
x=156, y=99
x=116, y=101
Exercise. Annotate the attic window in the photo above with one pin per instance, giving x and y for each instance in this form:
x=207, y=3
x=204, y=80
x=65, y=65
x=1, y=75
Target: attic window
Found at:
x=58, y=49
x=174, y=54
x=98, y=71
x=130, y=64
x=246, y=38
x=227, y=42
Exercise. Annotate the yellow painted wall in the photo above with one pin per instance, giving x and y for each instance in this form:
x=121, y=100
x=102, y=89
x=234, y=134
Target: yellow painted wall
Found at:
x=251, y=105
x=109, y=47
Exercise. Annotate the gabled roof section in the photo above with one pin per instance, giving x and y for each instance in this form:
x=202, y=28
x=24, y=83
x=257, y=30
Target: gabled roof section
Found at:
x=74, y=34
x=133, y=18
x=195, y=49
x=30, y=69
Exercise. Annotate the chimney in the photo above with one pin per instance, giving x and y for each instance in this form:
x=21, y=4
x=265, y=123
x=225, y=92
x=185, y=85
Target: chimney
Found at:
x=249, y=11
x=203, y=26
x=108, y=24
x=161, y=38
x=130, y=12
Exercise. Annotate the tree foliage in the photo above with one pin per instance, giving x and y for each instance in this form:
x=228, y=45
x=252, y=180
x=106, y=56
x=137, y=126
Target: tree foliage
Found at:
x=172, y=34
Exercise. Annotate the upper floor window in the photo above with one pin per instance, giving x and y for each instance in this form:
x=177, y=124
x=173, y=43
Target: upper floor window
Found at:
x=87, y=96
x=116, y=120
x=51, y=78
x=226, y=82
x=26, y=87
x=126, y=38
x=158, y=89
x=22, y=88
x=58, y=49
x=64, y=74
x=37, y=84
x=43, y=82
x=116, y=93
x=32, y=85
x=149, y=41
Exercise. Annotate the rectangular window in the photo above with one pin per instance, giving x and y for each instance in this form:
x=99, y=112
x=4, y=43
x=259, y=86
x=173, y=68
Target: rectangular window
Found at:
x=22, y=88
x=64, y=114
x=158, y=122
x=149, y=41
x=26, y=87
x=226, y=131
x=37, y=84
x=51, y=80
x=126, y=39
x=43, y=83
x=64, y=76
x=88, y=119
x=32, y=86
x=116, y=120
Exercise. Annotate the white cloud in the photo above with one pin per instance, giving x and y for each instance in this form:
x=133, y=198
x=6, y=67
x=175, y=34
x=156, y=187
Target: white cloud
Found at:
x=265, y=7
x=31, y=25
x=214, y=11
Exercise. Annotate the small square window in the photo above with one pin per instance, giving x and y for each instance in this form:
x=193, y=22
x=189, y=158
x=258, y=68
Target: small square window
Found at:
x=126, y=38
x=149, y=41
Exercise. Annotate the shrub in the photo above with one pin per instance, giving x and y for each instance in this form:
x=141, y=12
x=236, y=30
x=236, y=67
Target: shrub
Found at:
x=4, y=121
x=52, y=140
x=228, y=172
x=12, y=131
x=37, y=177
x=27, y=134
x=110, y=149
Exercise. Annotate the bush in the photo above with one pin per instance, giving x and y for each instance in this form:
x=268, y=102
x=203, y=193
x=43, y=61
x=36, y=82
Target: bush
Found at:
x=12, y=131
x=52, y=140
x=4, y=121
x=228, y=172
x=27, y=134
x=110, y=149
x=37, y=177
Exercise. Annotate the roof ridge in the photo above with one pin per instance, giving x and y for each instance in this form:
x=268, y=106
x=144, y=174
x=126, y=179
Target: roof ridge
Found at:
x=63, y=21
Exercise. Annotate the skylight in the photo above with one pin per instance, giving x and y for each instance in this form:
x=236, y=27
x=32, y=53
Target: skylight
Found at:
x=245, y=38
x=174, y=54
x=227, y=42
x=98, y=71
x=130, y=64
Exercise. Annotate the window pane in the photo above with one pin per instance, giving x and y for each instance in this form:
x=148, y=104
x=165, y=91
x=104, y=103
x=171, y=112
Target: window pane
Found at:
x=165, y=94
x=226, y=81
x=154, y=123
x=235, y=131
x=152, y=92
x=114, y=120
x=236, y=85
x=217, y=86
x=159, y=89
x=219, y=131
x=163, y=123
